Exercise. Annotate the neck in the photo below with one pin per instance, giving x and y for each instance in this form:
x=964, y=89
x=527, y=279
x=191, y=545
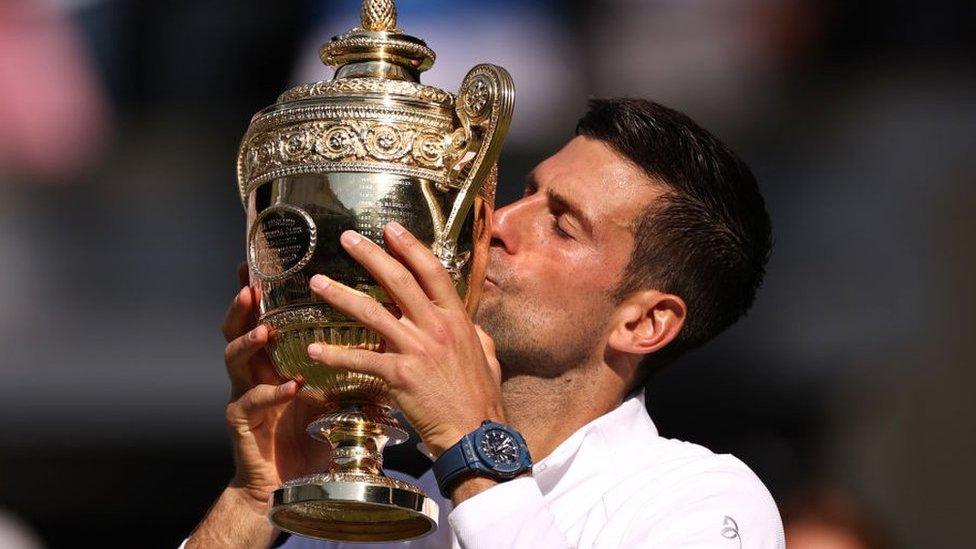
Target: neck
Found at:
x=548, y=410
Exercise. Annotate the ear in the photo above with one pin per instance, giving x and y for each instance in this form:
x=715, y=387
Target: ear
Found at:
x=647, y=321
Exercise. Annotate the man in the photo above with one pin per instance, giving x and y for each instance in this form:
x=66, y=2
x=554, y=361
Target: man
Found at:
x=642, y=238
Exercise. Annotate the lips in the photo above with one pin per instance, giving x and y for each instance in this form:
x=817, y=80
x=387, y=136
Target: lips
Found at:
x=492, y=278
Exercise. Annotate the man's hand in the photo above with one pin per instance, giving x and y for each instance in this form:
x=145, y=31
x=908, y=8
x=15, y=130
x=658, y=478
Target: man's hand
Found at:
x=267, y=428
x=266, y=422
x=440, y=367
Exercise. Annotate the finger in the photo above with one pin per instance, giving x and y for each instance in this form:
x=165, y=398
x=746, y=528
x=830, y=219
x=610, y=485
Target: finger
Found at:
x=243, y=274
x=239, y=317
x=244, y=278
x=429, y=272
x=361, y=307
x=392, y=275
x=355, y=360
x=266, y=396
x=238, y=352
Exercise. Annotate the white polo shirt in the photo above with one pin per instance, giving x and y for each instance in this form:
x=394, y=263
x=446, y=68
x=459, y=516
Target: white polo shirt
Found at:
x=614, y=483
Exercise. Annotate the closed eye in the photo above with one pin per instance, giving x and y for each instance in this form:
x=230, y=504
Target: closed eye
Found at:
x=559, y=230
x=559, y=206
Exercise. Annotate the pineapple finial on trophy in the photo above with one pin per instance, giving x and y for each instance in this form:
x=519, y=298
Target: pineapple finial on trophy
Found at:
x=379, y=15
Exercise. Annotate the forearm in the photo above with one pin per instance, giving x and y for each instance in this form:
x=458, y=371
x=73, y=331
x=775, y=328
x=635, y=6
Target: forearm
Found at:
x=235, y=520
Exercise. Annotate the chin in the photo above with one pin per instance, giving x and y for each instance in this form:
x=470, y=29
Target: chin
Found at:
x=484, y=304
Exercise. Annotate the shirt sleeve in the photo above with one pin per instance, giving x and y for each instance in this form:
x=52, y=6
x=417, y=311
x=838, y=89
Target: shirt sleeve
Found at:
x=715, y=511
x=511, y=514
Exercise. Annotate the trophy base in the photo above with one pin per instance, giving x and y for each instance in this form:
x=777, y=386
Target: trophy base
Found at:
x=353, y=507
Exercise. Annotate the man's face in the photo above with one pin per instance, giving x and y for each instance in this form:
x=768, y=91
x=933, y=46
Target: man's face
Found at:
x=557, y=255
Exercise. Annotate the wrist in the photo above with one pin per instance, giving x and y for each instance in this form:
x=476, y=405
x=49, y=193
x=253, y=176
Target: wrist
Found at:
x=247, y=494
x=254, y=500
x=460, y=428
x=235, y=520
x=495, y=452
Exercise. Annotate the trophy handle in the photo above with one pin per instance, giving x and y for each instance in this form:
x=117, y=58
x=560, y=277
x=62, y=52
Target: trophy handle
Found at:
x=484, y=107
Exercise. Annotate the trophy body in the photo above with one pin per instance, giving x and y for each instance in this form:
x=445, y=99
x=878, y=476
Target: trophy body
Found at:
x=371, y=146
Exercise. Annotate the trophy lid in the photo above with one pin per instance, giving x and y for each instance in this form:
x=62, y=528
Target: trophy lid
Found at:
x=375, y=59
x=377, y=48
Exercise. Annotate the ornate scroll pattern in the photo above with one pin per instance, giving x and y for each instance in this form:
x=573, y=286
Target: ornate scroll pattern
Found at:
x=484, y=107
x=301, y=146
x=358, y=86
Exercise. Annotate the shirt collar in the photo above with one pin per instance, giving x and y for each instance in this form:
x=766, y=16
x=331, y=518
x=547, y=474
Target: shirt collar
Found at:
x=616, y=427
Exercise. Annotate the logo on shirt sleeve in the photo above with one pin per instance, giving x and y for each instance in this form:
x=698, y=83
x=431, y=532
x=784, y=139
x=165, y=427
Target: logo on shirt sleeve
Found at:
x=730, y=530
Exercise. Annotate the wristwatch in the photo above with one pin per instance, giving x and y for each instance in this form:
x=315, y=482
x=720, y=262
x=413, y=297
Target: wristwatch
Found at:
x=493, y=450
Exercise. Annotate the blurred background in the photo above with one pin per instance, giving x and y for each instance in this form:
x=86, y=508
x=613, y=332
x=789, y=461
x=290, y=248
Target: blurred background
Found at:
x=845, y=389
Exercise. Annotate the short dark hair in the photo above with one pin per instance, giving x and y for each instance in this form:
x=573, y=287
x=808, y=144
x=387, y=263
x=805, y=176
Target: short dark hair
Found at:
x=707, y=239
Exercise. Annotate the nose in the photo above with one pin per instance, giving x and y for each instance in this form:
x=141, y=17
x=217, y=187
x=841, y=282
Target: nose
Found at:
x=508, y=224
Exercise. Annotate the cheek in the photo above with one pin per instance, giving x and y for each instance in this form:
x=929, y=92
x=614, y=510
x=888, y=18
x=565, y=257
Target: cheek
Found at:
x=586, y=270
x=569, y=281
x=553, y=267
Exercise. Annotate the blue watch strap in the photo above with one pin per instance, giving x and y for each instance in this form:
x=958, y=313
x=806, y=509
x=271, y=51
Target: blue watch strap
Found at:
x=464, y=459
x=456, y=462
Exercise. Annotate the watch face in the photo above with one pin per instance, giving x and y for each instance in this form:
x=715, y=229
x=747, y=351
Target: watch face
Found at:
x=500, y=447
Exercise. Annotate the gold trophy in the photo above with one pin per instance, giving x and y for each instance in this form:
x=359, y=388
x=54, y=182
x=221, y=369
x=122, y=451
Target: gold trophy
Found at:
x=370, y=146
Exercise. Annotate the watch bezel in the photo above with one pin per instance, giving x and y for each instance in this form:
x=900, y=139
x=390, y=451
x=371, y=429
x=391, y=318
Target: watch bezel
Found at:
x=509, y=469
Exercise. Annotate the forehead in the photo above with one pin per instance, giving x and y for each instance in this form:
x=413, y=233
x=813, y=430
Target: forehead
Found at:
x=609, y=189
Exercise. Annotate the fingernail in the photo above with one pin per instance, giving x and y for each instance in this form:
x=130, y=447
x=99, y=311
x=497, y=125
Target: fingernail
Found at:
x=253, y=335
x=351, y=238
x=396, y=228
x=314, y=350
x=320, y=282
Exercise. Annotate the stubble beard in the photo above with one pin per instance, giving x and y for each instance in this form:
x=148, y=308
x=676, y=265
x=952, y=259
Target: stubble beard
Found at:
x=536, y=341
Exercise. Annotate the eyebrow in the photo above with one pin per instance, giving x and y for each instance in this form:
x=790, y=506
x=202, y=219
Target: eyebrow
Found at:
x=560, y=204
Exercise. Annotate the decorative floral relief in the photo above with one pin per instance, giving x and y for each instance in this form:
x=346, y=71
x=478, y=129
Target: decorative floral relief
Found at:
x=351, y=140
x=477, y=96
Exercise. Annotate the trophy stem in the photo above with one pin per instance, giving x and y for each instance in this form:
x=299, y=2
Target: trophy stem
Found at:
x=357, y=433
